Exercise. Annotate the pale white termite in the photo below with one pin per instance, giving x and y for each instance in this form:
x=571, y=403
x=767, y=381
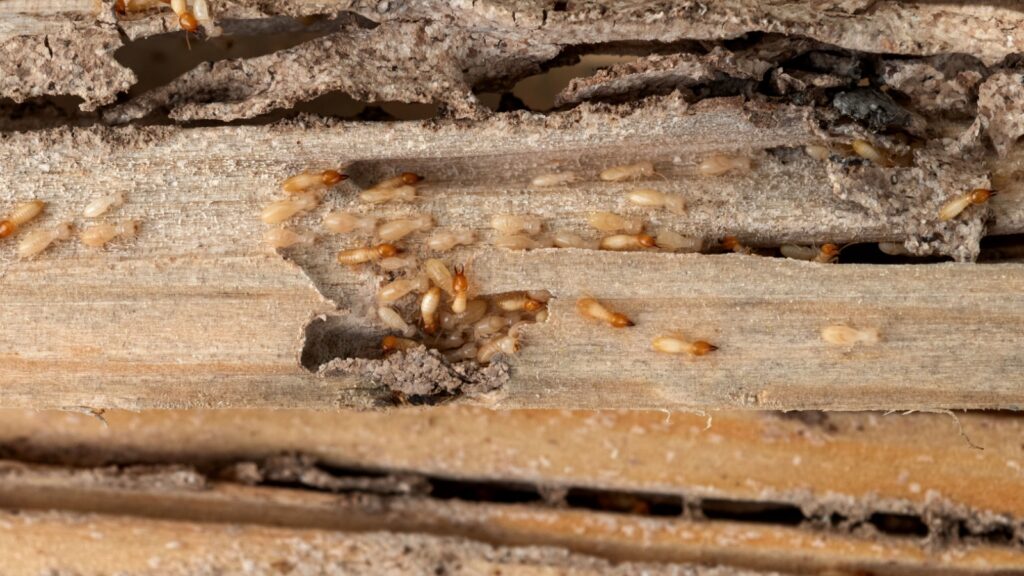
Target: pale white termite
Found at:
x=281, y=237
x=507, y=345
x=22, y=214
x=675, y=344
x=565, y=239
x=186, y=19
x=518, y=301
x=445, y=240
x=400, y=288
x=509, y=224
x=439, y=274
x=557, y=179
x=673, y=242
x=98, y=235
x=817, y=151
x=447, y=341
x=893, y=248
x=611, y=222
x=489, y=326
x=955, y=206
x=651, y=198
x=393, y=320
x=591, y=308
x=429, y=305
x=865, y=150
x=827, y=254
x=101, y=205
x=842, y=335
x=465, y=352
x=393, y=263
x=347, y=222
x=280, y=210
x=382, y=195
x=205, y=17
x=627, y=242
x=39, y=239
x=628, y=172
x=475, y=310
x=395, y=230
x=354, y=256
x=403, y=179
x=719, y=164
x=312, y=181
x=519, y=242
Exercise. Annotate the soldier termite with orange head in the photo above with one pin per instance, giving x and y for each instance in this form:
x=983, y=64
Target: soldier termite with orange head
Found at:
x=282, y=237
x=674, y=344
x=101, y=205
x=39, y=239
x=98, y=235
x=719, y=164
x=444, y=240
x=355, y=256
x=955, y=206
x=627, y=242
x=842, y=335
x=22, y=214
x=611, y=222
x=656, y=199
x=312, y=181
x=395, y=230
x=591, y=308
x=429, y=305
x=394, y=343
x=827, y=254
x=557, y=179
x=509, y=224
x=280, y=210
x=346, y=222
x=460, y=289
x=628, y=172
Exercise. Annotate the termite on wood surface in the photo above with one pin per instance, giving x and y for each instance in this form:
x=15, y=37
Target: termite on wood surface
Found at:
x=103, y=204
x=400, y=288
x=591, y=308
x=509, y=224
x=826, y=254
x=566, y=239
x=382, y=195
x=393, y=343
x=429, y=305
x=311, y=182
x=675, y=344
x=347, y=222
x=283, y=238
x=557, y=179
x=519, y=242
x=625, y=172
x=651, y=198
x=955, y=206
x=393, y=320
x=354, y=256
x=438, y=273
x=460, y=289
x=628, y=242
x=37, y=240
x=674, y=242
x=519, y=301
x=842, y=335
x=612, y=222
x=719, y=164
x=403, y=179
x=22, y=214
x=395, y=230
x=507, y=345
x=98, y=235
x=445, y=240
x=280, y=210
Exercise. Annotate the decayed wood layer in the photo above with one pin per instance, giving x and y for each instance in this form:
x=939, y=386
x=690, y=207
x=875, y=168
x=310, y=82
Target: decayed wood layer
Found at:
x=195, y=313
x=851, y=463
x=610, y=536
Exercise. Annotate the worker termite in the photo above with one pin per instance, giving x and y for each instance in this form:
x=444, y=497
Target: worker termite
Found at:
x=955, y=206
x=346, y=222
x=467, y=351
x=519, y=242
x=282, y=237
x=627, y=242
x=447, y=341
x=674, y=344
x=101, y=205
x=280, y=210
x=403, y=179
x=439, y=274
x=475, y=310
x=673, y=242
x=393, y=263
x=732, y=244
x=489, y=326
x=628, y=172
x=201, y=8
x=564, y=239
x=719, y=164
x=394, y=343
x=827, y=254
x=507, y=345
x=98, y=235
x=611, y=222
x=393, y=320
x=591, y=308
x=400, y=288
x=429, y=305
x=395, y=230
x=518, y=301
x=35, y=241
x=842, y=335
x=649, y=198
x=817, y=151
x=445, y=240
x=557, y=179
x=382, y=195
x=509, y=224
x=354, y=256
x=866, y=150
x=893, y=248
x=21, y=215
x=312, y=181
x=460, y=289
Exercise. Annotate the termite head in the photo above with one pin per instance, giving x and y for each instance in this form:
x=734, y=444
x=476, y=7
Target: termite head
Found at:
x=829, y=250
x=332, y=177
x=620, y=320
x=188, y=22
x=386, y=250
x=730, y=243
x=981, y=195
x=389, y=343
x=410, y=178
x=460, y=283
x=120, y=7
x=532, y=305
x=7, y=228
x=646, y=241
x=700, y=348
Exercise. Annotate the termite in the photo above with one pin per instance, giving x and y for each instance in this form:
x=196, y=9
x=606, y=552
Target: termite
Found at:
x=489, y=326
x=954, y=207
x=591, y=308
x=656, y=199
x=626, y=242
x=817, y=151
x=311, y=182
x=103, y=204
x=519, y=242
x=445, y=240
x=22, y=214
x=732, y=244
x=564, y=239
x=893, y=248
x=382, y=195
x=439, y=274
x=558, y=179
x=201, y=8
x=346, y=222
x=467, y=351
x=282, y=237
x=393, y=343
x=475, y=310
x=98, y=235
x=393, y=320
x=403, y=179
x=354, y=256
x=429, y=306
x=674, y=344
x=518, y=301
x=395, y=230
x=393, y=263
x=186, y=19
x=827, y=254
x=447, y=341
x=507, y=345
x=35, y=241
x=842, y=335
x=126, y=6
x=280, y=210
x=719, y=164
x=628, y=172
x=865, y=150
x=673, y=242
x=509, y=224
x=460, y=289
x=400, y=288
x=611, y=222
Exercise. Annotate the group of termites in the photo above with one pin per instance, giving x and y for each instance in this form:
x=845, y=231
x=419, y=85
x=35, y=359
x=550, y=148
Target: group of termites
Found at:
x=38, y=239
